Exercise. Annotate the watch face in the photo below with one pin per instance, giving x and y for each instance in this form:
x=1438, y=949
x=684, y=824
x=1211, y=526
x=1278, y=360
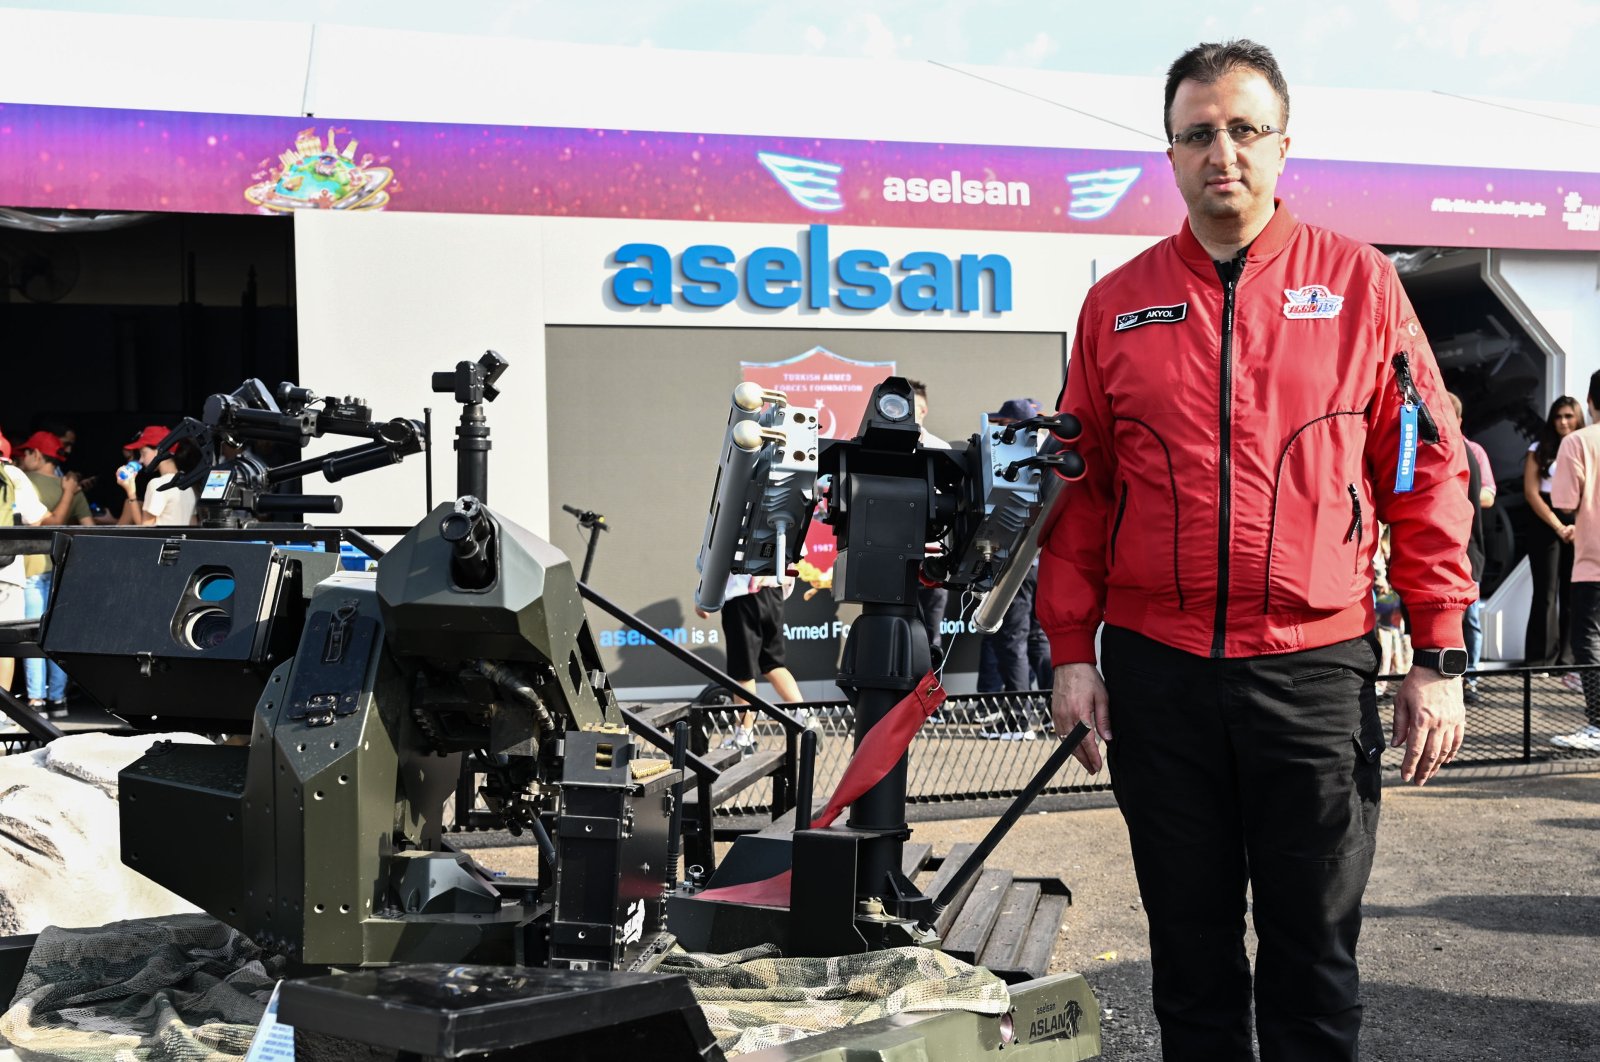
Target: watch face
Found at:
x=1452, y=661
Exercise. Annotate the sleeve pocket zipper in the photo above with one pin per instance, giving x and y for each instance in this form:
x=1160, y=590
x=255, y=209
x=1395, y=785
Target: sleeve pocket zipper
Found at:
x=1426, y=428
x=1355, y=523
x=1355, y=517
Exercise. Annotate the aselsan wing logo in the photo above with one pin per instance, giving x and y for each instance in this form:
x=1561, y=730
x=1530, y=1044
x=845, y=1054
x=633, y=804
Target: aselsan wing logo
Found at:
x=812, y=184
x=1094, y=195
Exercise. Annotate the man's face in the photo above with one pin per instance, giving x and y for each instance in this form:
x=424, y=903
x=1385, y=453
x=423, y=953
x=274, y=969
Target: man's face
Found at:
x=919, y=409
x=34, y=461
x=1225, y=180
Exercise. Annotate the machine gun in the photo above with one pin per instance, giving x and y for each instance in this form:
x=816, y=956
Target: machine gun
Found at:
x=361, y=693
x=238, y=488
x=886, y=496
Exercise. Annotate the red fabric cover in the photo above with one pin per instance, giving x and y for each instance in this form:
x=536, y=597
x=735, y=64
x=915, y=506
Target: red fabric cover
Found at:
x=880, y=749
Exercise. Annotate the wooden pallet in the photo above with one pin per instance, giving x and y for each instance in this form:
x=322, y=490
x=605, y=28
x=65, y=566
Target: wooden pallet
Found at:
x=1006, y=922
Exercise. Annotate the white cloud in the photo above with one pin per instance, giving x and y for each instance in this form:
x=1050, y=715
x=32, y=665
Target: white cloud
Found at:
x=1483, y=29
x=871, y=36
x=815, y=39
x=1034, y=53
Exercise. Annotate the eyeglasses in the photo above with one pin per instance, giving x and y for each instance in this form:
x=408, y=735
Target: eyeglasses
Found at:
x=1241, y=133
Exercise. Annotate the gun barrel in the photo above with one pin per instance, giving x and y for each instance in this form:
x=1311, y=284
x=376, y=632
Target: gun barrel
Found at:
x=730, y=496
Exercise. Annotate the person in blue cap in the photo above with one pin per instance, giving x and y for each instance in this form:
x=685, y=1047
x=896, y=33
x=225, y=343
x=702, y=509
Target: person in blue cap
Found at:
x=1004, y=661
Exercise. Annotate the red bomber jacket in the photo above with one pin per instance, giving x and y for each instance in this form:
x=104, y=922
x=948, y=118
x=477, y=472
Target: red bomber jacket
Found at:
x=1241, y=442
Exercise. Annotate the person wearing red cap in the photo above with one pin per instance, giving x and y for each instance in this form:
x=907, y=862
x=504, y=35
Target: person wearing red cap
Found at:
x=41, y=456
x=19, y=504
x=166, y=507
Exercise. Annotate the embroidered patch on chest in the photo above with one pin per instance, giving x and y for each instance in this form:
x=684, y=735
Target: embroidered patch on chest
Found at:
x=1151, y=315
x=1311, y=301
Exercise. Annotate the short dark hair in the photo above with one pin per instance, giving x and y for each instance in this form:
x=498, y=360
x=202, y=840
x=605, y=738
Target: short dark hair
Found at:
x=1209, y=63
x=1594, y=390
x=918, y=387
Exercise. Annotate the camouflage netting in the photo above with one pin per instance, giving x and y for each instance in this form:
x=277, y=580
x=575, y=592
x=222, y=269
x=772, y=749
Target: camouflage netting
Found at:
x=754, y=999
x=181, y=988
x=186, y=988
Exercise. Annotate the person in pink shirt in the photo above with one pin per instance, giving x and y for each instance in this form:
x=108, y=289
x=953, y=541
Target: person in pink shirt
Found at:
x=1575, y=488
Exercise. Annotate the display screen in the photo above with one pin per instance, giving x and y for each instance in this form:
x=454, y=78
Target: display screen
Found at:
x=108, y=159
x=216, y=487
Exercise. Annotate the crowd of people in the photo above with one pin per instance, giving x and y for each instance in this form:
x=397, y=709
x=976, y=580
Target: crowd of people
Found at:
x=41, y=488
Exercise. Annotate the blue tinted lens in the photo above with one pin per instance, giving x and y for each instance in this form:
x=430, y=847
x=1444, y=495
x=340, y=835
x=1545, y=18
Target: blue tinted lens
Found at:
x=215, y=588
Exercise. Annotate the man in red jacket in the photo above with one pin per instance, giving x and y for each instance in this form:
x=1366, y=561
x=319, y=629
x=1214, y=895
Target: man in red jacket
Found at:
x=1255, y=395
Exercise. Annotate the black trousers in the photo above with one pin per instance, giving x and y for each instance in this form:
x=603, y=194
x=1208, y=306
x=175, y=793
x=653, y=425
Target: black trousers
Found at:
x=1008, y=668
x=1259, y=772
x=1548, y=641
x=1585, y=644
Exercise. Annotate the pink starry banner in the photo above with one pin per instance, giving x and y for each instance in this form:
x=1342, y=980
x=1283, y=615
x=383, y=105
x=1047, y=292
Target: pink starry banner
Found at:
x=104, y=159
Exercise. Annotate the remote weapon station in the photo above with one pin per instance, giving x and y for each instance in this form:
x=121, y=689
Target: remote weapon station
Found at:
x=357, y=695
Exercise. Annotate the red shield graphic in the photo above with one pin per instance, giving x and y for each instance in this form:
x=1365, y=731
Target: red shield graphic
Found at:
x=838, y=388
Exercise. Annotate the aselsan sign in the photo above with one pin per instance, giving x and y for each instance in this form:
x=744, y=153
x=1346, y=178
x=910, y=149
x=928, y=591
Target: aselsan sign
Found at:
x=710, y=275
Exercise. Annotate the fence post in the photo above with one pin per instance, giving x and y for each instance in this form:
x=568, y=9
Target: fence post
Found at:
x=1527, y=716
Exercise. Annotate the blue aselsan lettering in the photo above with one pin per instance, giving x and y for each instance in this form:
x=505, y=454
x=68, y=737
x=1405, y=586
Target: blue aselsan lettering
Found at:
x=711, y=275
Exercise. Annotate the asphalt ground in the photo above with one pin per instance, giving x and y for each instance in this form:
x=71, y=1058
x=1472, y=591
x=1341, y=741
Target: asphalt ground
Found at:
x=1482, y=933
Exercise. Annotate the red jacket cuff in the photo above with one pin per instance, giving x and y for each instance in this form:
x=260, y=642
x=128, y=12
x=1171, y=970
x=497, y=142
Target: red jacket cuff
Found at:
x=1435, y=629
x=1072, y=645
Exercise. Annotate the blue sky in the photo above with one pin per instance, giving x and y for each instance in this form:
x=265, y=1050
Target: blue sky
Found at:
x=1532, y=49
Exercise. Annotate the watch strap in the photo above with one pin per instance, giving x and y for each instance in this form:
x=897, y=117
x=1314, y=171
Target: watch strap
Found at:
x=1435, y=660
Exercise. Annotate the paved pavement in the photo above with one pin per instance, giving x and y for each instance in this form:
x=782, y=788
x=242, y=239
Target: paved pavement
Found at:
x=1482, y=938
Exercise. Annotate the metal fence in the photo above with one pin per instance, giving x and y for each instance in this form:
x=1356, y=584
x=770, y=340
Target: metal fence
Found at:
x=970, y=752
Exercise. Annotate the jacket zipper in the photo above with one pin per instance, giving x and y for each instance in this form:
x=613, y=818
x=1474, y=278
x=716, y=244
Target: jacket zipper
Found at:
x=1355, y=522
x=1224, y=468
x=1426, y=428
x=1117, y=526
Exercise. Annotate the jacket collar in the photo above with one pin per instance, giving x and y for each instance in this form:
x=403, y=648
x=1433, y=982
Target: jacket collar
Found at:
x=1274, y=238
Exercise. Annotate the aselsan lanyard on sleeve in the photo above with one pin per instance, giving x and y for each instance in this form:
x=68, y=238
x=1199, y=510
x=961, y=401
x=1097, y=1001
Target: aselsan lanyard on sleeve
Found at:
x=1405, y=470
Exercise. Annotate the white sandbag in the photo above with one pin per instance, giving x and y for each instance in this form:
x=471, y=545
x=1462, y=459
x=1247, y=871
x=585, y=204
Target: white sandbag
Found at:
x=60, y=860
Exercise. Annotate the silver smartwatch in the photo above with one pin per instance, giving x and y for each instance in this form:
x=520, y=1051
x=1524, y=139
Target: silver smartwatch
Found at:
x=1450, y=663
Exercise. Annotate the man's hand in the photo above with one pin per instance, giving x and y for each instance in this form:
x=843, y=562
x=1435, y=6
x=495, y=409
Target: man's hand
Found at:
x=1080, y=696
x=702, y=613
x=1567, y=532
x=1429, y=721
x=71, y=483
